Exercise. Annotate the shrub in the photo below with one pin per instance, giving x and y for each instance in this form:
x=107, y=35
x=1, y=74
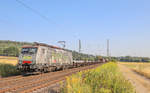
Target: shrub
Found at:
x=8, y=70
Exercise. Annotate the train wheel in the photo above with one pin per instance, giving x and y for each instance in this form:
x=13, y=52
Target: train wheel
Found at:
x=65, y=67
x=45, y=70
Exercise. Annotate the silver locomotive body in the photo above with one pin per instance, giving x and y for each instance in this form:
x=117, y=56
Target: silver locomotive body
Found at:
x=43, y=58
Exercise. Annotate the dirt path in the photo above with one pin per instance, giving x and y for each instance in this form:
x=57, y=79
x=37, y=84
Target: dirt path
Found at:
x=141, y=84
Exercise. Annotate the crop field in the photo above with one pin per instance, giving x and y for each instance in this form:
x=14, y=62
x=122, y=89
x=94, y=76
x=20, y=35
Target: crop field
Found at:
x=103, y=79
x=8, y=66
x=141, y=68
x=8, y=60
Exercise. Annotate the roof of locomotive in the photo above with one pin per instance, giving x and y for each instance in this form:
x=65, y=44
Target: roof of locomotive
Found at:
x=29, y=46
x=35, y=45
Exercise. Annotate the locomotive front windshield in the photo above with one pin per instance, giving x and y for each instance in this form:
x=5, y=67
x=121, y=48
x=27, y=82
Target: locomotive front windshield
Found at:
x=29, y=50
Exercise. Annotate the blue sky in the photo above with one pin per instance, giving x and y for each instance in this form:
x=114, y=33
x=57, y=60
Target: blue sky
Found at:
x=125, y=22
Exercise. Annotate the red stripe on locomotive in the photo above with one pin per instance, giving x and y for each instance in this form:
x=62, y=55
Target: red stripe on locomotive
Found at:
x=27, y=62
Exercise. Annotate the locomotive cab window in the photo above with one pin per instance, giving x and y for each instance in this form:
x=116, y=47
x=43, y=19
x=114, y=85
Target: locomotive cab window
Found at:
x=29, y=50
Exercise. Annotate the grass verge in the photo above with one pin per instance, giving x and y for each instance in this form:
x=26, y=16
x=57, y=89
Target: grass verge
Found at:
x=104, y=79
x=8, y=70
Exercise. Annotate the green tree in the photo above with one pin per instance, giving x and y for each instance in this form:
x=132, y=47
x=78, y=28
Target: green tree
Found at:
x=1, y=51
x=11, y=51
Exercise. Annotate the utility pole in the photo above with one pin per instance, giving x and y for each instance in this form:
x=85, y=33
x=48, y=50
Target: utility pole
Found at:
x=108, y=48
x=79, y=45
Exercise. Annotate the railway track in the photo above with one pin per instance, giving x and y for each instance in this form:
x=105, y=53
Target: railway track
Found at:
x=28, y=84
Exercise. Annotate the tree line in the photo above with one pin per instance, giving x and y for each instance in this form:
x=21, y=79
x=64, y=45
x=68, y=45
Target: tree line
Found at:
x=131, y=59
x=10, y=51
x=85, y=57
x=134, y=59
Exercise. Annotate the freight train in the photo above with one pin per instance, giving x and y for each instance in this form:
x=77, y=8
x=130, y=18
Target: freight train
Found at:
x=41, y=57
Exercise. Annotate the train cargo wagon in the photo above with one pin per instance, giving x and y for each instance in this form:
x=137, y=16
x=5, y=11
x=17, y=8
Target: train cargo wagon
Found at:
x=43, y=58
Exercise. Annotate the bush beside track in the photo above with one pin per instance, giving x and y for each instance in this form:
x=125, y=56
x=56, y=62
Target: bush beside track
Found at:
x=104, y=79
x=8, y=70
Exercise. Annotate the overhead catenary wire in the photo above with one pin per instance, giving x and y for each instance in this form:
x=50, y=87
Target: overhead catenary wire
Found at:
x=40, y=14
x=36, y=12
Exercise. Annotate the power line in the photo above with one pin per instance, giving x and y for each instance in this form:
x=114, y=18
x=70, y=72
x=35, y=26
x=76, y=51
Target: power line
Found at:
x=34, y=11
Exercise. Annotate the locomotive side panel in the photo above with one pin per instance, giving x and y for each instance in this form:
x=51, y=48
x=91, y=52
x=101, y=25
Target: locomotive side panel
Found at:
x=54, y=57
x=61, y=57
x=50, y=57
x=41, y=55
